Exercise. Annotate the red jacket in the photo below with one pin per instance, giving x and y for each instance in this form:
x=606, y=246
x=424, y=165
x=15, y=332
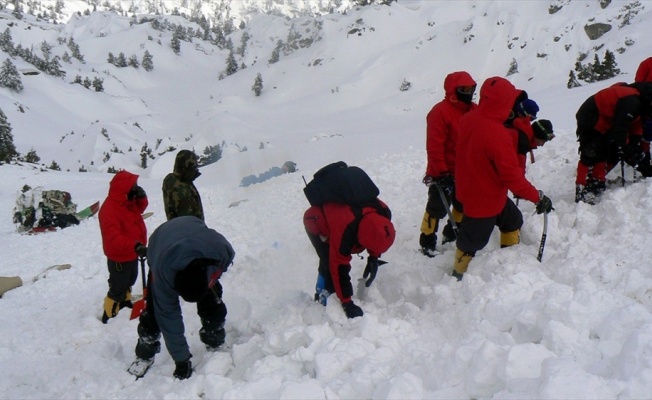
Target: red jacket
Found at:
x=441, y=125
x=487, y=165
x=121, y=222
x=644, y=71
x=342, y=241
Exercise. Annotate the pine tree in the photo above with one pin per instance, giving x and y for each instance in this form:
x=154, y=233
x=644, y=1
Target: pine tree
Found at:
x=32, y=157
x=111, y=58
x=258, y=85
x=176, y=42
x=243, y=44
x=7, y=148
x=572, y=81
x=147, y=63
x=9, y=76
x=121, y=61
x=6, y=42
x=597, y=69
x=98, y=84
x=231, y=64
x=74, y=49
x=133, y=61
x=46, y=48
x=53, y=67
x=276, y=53
x=609, y=65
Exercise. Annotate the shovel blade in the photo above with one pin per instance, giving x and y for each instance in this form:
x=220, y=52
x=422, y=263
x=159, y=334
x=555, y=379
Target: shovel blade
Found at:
x=138, y=308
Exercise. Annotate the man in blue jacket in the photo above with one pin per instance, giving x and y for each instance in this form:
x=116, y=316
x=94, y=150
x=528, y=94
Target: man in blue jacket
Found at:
x=186, y=259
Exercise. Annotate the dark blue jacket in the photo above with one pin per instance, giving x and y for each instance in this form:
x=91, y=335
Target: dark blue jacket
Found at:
x=173, y=246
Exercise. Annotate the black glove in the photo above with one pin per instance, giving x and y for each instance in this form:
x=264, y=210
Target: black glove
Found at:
x=645, y=169
x=632, y=153
x=427, y=180
x=140, y=249
x=544, y=205
x=370, y=270
x=446, y=182
x=183, y=369
x=351, y=310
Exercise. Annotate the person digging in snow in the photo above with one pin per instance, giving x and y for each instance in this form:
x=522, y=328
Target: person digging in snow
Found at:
x=186, y=260
x=609, y=129
x=337, y=231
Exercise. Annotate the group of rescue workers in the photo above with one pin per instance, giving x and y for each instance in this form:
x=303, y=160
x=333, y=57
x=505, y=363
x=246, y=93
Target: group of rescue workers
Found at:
x=476, y=153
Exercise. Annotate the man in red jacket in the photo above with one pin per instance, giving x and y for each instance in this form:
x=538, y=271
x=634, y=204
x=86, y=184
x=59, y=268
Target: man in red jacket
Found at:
x=609, y=129
x=339, y=230
x=487, y=167
x=124, y=236
x=441, y=139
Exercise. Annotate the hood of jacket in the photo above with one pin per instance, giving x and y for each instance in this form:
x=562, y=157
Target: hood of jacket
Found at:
x=497, y=97
x=455, y=80
x=121, y=184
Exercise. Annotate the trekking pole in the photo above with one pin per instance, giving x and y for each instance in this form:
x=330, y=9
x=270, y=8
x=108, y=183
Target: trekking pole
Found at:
x=542, y=245
x=448, y=208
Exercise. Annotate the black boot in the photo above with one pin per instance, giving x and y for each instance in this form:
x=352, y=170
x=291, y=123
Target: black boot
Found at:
x=428, y=244
x=448, y=234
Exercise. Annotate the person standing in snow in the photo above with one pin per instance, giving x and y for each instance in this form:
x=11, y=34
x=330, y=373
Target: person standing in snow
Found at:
x=609, y=129
x=180, y=196
x=487, y=167
x=124, y=237
x=441, y=139
x=644, y=74
x=186, y=259
x=337, y=231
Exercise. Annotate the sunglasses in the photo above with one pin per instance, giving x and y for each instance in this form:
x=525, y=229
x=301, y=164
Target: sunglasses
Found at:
x=466, y=89
x=549, y=135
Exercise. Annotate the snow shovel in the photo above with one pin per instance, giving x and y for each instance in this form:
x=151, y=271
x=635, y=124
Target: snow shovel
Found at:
x=543, y=236
x=139, y=305
x=11, y=282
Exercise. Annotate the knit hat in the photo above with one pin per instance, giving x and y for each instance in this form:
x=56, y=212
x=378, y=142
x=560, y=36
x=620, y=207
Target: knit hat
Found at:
x=528, y=107
x=543, y=130
x=376, y=233
x=315, y=222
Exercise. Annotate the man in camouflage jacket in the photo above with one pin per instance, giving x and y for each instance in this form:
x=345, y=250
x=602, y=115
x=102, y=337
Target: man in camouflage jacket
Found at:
x=180, y=196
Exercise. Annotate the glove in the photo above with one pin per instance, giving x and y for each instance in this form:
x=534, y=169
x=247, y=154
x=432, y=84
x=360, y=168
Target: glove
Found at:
x=446, y=182
x=632, y=154
x=351, y=310
x=427, y=180
x=645, y=170
x=183, y=369
x=370, y=270
x=544, y=205
x=140, y=249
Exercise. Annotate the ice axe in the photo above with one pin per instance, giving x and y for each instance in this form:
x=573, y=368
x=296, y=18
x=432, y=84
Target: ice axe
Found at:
x=448, y=208
x=543, y=236
x=140, y=304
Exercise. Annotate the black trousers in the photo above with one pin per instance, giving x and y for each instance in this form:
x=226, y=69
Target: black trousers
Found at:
x=122, y=276
x=435, y=206
x=474, y=233
x=211, y=311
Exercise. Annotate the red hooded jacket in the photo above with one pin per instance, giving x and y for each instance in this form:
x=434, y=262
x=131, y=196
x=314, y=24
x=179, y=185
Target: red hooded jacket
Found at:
x=121, y=222
x=644, y=71
x=441, y=125
x=487, y=165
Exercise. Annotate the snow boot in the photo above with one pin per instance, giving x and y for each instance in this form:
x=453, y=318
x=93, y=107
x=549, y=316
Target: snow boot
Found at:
x=111, y=309
x=428, y=244
x=212, y=334
x=448, y=234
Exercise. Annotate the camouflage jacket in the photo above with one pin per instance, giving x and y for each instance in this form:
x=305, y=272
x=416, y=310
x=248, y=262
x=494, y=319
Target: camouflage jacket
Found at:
x=181, y=198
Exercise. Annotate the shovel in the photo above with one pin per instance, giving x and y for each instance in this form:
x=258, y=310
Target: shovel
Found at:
x=140, y=304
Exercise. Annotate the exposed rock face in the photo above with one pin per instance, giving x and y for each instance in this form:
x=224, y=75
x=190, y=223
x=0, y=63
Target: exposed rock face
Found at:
x=594, y=31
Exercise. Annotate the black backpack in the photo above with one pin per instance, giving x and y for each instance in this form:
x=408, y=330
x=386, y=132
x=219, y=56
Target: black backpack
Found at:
x=340, y=183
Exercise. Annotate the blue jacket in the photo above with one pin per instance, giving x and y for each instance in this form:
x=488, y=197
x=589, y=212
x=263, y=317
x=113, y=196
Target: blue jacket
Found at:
x=173, y=246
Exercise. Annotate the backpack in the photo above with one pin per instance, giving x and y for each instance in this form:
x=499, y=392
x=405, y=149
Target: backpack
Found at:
x=340, y=183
